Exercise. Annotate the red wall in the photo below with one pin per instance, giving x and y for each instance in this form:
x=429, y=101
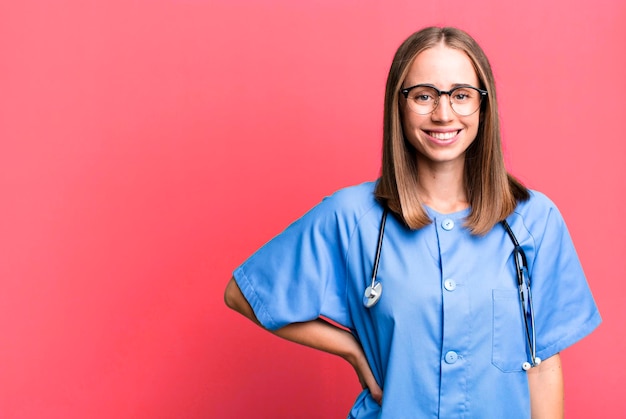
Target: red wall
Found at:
x=148, y=147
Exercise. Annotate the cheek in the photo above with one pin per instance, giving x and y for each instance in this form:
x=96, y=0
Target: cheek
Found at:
x=409, y=128
x=411, y=122
x=473, y=125
x=405, y=123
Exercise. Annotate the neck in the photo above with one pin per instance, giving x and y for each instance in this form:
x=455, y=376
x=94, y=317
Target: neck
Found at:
x=442, y=187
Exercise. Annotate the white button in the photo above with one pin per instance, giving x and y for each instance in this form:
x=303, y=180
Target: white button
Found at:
x=449, y=284
x=451, y=357
x=447, y=224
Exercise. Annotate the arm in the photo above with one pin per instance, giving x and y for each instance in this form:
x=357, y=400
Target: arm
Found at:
x=317, y=334
x=545, y=382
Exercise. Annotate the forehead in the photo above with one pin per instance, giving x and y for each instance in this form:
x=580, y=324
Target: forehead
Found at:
x=443, y=67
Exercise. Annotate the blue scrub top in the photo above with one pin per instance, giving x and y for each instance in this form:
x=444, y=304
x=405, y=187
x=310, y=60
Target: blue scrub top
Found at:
x=447, y=337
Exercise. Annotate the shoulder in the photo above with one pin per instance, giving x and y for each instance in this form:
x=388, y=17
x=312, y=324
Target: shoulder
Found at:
x=538, y=215
x=337, y=215
x=537, y=203
x=352, y=201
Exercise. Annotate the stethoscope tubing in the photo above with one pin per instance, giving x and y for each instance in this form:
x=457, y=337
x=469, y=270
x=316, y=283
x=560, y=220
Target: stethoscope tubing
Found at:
x=374, y=290
x=526, y=304
x=379, y=246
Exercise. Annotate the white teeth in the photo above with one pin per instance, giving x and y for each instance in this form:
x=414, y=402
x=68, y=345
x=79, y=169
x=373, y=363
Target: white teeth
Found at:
x=443, y=135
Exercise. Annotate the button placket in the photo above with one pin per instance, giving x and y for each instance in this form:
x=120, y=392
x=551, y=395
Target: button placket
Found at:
x=455, y=313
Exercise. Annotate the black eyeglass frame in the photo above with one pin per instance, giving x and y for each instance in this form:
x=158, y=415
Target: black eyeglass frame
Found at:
x=483, y=94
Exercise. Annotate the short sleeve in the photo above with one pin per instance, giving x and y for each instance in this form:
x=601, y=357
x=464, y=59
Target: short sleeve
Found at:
x=564, y=308
x=300, y=274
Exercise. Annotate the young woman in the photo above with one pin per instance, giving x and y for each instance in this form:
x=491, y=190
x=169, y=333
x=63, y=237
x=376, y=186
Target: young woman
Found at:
x=430, y=268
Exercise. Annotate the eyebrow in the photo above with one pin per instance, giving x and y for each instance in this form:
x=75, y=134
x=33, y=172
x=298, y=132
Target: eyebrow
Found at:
x=454, y=86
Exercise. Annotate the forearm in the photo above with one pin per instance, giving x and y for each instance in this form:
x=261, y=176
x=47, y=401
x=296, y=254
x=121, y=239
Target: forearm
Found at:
x=317, y=334
x=321, y=335
x=545, y=382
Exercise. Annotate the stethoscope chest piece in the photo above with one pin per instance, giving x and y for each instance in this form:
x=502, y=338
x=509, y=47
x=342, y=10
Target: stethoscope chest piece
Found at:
x=527, y=365
x=372, y=294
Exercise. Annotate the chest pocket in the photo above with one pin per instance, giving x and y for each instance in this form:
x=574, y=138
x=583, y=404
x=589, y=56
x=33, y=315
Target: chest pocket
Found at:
x=508, y=338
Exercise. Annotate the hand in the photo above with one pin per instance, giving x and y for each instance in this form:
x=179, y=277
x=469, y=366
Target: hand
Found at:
x=366, y=377
x=318, y=334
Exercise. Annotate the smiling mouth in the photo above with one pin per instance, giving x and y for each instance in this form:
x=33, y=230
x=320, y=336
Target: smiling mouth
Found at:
x=443, y=135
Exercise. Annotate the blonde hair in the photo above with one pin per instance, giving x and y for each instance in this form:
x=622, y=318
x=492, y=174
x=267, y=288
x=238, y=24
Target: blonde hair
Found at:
x=492, y=192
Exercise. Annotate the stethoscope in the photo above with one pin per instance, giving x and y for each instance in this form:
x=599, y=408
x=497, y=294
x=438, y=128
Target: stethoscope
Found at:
x=375, y=289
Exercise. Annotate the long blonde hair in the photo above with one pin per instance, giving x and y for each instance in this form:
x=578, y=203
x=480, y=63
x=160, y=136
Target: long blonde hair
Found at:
x=492, y=192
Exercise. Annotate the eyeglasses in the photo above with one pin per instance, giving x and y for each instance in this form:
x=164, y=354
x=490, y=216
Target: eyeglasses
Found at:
x=424, y=98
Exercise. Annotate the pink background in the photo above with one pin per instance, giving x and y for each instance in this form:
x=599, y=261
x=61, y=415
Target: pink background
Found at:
x=148, y=147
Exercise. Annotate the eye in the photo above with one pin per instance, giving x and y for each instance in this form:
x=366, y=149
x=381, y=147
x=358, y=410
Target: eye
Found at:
x=463, y=95
x=423, y=95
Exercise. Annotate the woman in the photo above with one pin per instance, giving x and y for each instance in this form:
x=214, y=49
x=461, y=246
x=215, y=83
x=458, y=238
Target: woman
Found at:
x=441, y=330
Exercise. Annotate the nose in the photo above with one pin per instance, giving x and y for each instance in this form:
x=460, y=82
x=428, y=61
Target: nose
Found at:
x=443, y=111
